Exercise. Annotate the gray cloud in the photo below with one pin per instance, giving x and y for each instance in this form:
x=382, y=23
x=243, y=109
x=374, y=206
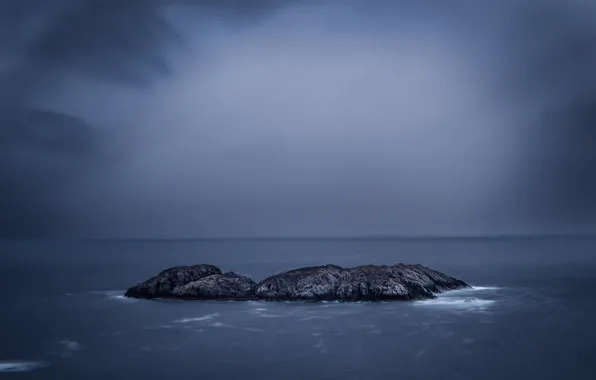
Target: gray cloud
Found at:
x=214, y=118
x=44, y=45
x=558, y=42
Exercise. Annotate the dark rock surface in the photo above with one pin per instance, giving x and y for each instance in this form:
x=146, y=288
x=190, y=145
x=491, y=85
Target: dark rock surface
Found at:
x=227, y=286
x=163, y=285
x=364, y=283
x=328, y=282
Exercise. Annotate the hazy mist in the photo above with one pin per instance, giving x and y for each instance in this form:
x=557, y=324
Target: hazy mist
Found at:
x=296, y=118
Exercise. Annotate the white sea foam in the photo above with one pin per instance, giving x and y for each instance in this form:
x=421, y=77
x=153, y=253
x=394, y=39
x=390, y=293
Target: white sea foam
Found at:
x=459, y=303
x=20, y=366
x=197, y=319
x=473, y=289
x=486, y=288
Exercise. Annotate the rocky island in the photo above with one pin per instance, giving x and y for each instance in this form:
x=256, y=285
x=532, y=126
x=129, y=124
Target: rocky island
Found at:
x=319, y=283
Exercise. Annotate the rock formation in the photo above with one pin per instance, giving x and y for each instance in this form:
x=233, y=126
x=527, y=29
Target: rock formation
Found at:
x=320, y=283
x=364, y=283
x=163, y=285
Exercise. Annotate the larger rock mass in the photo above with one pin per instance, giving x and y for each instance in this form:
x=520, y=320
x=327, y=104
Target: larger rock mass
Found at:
x=320, y=283
x=364, y=283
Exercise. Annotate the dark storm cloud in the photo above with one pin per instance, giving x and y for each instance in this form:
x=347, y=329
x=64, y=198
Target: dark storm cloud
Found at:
x=43, y=148
x=44, y=43
x=106, y=39
x=213, y=118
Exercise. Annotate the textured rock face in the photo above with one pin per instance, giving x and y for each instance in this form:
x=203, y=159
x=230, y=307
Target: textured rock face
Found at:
x=328, y=282
x=365, y=283
x=227, y=286
x=163, y=285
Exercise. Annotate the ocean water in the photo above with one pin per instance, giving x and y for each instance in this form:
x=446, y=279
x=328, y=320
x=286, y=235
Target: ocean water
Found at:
x=531, y=314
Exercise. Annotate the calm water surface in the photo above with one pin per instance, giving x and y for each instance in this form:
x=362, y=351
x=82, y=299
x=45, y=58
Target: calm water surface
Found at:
x=531, y=315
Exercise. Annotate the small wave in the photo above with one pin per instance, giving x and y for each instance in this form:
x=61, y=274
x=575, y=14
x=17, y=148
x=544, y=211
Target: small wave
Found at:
x=470, y=303
x=197, y=319
x=256, y=302
x=313, y=317
x=265, y=315
x=116, y=295
x=227, y=326
x=320, y=346
x=472, y=290
x=122, y=298
x=251, y=329
x=258, y=311
x=70, y=345
x=23, y=366
x=107, y=292
x=373, y=329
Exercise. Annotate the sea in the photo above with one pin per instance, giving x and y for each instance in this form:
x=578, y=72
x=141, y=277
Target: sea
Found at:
x=531, y=313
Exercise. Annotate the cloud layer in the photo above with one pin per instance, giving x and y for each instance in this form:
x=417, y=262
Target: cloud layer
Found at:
x=192, y=119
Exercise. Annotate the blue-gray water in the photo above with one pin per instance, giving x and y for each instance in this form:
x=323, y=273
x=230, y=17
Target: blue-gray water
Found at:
x=531, y=317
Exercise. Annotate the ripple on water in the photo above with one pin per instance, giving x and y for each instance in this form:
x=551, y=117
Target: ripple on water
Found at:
x=20, y=366
x=206, y=317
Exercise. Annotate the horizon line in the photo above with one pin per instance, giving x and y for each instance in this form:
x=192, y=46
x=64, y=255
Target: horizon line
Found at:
x=352, y=237
x=318, y=238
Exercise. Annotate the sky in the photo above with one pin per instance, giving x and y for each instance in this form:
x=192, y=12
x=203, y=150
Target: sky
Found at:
x=273, y=118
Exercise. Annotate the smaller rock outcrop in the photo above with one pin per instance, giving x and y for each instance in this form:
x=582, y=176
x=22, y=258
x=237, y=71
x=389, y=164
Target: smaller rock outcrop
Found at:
x=164, y=284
